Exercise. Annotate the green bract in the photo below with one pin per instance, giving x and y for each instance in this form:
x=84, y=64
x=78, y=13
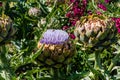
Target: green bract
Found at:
x=95, y=31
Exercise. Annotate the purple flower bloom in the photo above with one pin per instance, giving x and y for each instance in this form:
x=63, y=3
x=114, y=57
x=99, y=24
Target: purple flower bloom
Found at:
x=101, y=6
x=76, y=11
x=98, y=12
x=52, y=36
x=117, y=23
x=72, y=36
x=68, y=14
x=65, y=27
x=72, y=1
x=73, y=22
x=107, y=1
x=113, y=19
x=89, y=12
x=84, y=2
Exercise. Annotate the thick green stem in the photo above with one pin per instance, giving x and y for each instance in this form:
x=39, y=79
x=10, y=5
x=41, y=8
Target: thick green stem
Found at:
x=55, y=73
x=96, y=74
x=97, y=61
x=97, y=65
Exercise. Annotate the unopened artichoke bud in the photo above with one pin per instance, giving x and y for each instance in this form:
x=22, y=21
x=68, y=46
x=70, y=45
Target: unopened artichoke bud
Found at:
x=94, y=31
x=58, y=49
x=34, y=12
x=6, y=29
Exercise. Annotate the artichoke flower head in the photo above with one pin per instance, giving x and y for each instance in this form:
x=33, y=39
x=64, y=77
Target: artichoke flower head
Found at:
x=94, y=31
x=58, y=49
x=6, y=29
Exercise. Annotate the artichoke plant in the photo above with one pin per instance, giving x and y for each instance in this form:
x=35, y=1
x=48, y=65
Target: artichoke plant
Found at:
x=6, y=29
x=95, y=31
x=58, y=50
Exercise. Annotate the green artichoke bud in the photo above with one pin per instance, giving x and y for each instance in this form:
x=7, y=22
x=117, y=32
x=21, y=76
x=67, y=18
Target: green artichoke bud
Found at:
x=6, y=29
x=58, y=50
x=94, y=31
x=34, y=12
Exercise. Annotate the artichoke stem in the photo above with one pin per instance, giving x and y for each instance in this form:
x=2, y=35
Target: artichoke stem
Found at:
x=55, y=73
x=97, y=64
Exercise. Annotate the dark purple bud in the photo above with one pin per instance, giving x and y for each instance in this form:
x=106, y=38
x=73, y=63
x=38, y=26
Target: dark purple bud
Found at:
x=98, y=12
x=89, y=12
x=84, y=2
x=101, y=6
x=68, y=14
x=73, y=22
x=0, y=3
x=71, y=1
x=107, y=1
x=65, y=27
x=72, y=36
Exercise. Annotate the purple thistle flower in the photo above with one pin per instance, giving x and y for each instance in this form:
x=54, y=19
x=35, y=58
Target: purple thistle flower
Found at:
x=117, y=23
x=101, y=6
x=52, y=36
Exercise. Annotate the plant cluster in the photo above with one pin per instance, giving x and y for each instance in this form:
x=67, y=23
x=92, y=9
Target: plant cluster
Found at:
x=59, y=39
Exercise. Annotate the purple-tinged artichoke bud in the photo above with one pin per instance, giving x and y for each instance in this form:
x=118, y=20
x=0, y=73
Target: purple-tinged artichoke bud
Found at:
x=58, y=49
x=6, y=29
x=95, y=31
x=35, y=12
